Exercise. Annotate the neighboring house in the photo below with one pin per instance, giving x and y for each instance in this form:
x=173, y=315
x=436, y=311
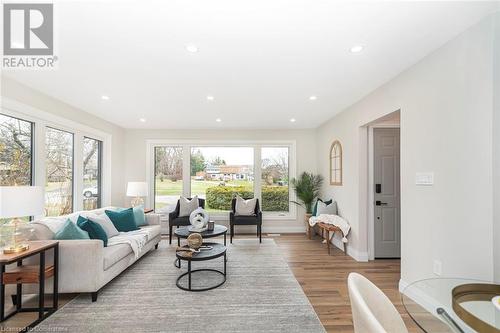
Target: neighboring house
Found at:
x=226, y=172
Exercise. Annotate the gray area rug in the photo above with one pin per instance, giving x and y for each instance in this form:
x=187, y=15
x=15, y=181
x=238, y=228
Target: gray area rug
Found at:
x=260, y=295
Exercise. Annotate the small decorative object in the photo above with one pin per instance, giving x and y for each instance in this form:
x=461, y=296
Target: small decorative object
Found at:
x=199, y=220
x=16, y=202
x=195, y=241
x=496, y=302
x=138, y=190
x=211, y=225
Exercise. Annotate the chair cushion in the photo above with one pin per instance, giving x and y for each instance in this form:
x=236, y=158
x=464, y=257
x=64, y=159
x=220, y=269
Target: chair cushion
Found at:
x=186, y=206
x=245, y=207
x=115, y=253
x=180, y=221
x=246, y=220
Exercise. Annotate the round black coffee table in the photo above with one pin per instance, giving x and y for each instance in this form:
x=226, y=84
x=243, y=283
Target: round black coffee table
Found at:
x=218, y=250
x=183, y=232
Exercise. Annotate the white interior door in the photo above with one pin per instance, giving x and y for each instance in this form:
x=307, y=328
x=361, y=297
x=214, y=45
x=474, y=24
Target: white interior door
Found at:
x=387, y=228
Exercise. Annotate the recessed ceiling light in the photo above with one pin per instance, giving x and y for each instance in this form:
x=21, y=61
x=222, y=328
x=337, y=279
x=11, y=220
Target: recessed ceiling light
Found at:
x=313, y=98
x=210, y=98
x=293, y=120
x=356, y=49
x=105, y=97
x=142, y=120
x=218, y=120
x=192, y=48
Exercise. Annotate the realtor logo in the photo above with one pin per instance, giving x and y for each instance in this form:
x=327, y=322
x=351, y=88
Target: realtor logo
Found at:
x=28, y=36
x=28, y=29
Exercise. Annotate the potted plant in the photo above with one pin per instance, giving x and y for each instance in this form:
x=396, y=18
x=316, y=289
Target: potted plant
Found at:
x=307, y=188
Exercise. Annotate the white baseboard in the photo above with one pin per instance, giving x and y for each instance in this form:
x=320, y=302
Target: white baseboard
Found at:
x=354, y=253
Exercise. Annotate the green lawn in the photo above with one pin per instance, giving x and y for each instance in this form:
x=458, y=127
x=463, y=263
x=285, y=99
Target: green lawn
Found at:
x=167, y=187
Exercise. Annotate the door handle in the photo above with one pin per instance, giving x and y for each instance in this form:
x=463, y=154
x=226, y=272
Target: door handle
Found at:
x=380, y=203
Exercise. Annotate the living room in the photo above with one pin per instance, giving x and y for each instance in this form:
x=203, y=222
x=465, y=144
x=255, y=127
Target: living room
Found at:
x=264, y=166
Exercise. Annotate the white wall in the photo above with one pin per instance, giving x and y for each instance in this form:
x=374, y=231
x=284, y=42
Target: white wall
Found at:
x=135, y=167
x=18, y=92
x=446, y=113
x=496, y=149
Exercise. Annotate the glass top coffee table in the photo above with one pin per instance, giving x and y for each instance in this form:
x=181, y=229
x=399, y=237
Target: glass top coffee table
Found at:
x=183, y=232
x=217, y=250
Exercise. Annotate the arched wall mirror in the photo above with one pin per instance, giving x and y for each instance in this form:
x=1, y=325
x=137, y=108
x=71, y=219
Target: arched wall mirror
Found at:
x=336, y=163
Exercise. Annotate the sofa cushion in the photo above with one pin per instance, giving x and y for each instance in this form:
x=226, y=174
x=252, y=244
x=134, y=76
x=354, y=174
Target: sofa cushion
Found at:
x=104, y=221
x=71, y=231
x=40, y=231
x=124, y=220
x=115, y=253
x=94, y=229
x=154, y=230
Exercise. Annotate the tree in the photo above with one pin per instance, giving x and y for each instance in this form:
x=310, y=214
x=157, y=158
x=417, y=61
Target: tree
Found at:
x=218, y=161
x=197, y=162
x=168, y=162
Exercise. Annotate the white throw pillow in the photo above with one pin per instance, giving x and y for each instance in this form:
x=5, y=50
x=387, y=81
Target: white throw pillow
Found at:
x=330, y=209
x=188, y=206
x=104, y=221
x=245, y=207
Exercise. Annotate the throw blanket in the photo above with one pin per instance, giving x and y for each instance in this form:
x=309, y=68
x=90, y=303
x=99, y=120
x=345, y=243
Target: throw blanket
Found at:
x=332, y=219
x=136, y=239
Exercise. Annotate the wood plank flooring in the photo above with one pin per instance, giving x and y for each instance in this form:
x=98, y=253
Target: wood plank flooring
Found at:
x=323, y=278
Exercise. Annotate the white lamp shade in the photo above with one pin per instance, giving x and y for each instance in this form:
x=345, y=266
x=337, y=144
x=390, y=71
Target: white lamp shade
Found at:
x=21, y=201
x=137, y=189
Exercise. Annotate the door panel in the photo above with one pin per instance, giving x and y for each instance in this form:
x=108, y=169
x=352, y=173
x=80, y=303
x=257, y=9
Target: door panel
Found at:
x=387, y=228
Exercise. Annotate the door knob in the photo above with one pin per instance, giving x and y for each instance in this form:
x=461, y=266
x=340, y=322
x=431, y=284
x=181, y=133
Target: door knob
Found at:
x=380, y=203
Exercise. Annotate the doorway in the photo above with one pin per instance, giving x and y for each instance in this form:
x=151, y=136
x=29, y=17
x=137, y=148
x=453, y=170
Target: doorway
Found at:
x=386, y=193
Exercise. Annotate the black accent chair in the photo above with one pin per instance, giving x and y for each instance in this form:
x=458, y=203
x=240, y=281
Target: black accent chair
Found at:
x=175, y=220
x=255, y=219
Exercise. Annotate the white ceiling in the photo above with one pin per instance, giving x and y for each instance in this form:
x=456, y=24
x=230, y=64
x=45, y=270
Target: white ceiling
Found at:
x=260, y=59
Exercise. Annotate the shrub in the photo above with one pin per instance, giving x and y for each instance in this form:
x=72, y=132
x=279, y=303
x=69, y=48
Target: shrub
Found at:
x=274, y=198
x=219, y=197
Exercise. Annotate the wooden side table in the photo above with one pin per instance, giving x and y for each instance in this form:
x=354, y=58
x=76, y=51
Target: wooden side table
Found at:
x=30, y=274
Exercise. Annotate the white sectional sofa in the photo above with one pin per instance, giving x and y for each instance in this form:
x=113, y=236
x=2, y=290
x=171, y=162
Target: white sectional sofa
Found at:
x=85, y=265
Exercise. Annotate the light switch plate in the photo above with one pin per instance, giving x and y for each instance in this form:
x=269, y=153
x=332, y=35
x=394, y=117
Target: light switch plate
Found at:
x=424, y=178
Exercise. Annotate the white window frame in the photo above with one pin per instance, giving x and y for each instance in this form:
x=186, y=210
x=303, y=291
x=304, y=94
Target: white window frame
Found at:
x=42, y=120
x=186, y=167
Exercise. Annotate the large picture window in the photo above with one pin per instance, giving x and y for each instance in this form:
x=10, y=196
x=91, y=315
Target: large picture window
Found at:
x=220, y=173
x=59, y=172
x=168, y=182
x=16, y=151
x=217, y=171
x=92, y=173
x=275, y=176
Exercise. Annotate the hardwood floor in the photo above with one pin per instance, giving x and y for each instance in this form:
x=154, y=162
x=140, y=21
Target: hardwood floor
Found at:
x=323, y=278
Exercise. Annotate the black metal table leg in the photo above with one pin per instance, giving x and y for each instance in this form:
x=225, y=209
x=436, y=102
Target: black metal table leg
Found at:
x=55, y=291
x=189, y=274
x=41, y=290
x=225, y=238
x=178, y=241
x=225, y=260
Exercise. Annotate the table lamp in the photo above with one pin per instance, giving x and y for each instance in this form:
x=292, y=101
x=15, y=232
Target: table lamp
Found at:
x=137, y=190
x=17, y=202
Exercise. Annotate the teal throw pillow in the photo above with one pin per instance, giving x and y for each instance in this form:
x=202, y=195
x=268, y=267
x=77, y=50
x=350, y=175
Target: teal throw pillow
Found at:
x=94, y=230
x=71, y=231
x=140, y=218
x=124, y=220
x=315, y=209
